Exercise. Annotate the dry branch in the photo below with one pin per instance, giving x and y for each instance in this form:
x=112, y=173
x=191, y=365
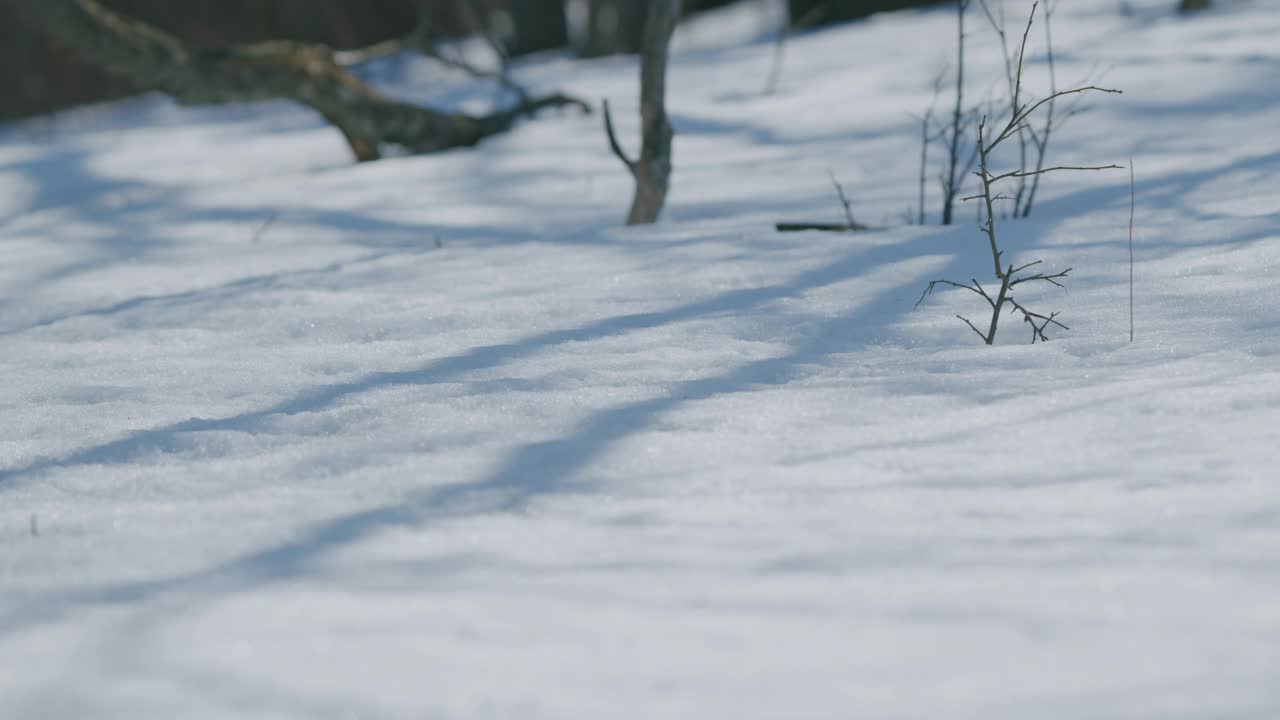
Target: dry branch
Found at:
x=1012, y=77
x=845, y=203
x=1011, y=276
x=824, y=227
x=928, y=137
x=1041, y=139
x=849, y=225
x=954, y=177
x=309, y=74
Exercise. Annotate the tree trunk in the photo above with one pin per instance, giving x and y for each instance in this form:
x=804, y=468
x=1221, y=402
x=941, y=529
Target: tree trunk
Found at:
x=819, y=12
x=304, y=73
x=652, y=171
x=614, y=26
x=538, y=25
x=595, y=42
x=632, y=20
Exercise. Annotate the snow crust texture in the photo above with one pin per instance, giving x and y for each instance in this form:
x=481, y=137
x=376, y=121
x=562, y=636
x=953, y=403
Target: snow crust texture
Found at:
x=282, y=437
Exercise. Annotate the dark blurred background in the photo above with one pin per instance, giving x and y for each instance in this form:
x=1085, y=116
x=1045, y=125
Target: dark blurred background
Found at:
x=37, y=76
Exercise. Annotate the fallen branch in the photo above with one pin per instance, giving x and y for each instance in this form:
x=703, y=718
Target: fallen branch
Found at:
x=309, y=74
x=825, y=227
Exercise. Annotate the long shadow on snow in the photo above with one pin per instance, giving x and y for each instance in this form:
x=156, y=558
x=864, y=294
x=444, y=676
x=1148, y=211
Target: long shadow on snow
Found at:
x=444, y=369
x=252, y=282
x=531, y=471
x=122, y=450
x=527, y=473
x=128, y=209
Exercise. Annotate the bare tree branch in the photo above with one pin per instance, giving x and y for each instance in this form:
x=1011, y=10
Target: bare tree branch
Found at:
x=844, y=202
x=1042, y=141
x=971, y=327
x=1041, y=277
x=614, y=145
x=1031, y=173
x=1010, y=276
x=953, y=178
x=305, y=73
x=1016, y=122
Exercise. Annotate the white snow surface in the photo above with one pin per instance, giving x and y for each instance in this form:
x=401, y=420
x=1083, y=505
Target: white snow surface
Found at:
x=447, y=441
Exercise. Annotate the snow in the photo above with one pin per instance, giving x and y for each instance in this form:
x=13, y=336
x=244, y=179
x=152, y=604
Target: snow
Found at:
x=435, y=437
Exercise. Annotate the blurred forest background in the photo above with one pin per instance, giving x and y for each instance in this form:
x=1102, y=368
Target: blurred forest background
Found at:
x=38, y=76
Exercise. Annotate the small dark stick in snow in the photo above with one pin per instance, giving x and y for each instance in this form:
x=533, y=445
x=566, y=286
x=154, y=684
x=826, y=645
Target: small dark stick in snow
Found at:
x=35, y=526
x=844, y=202
x=264, y=227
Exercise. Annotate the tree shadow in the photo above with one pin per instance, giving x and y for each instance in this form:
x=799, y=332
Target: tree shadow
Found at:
x=484, y=357
x=529, y=472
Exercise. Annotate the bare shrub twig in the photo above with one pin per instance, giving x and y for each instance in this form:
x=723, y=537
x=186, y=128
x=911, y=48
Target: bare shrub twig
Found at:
x=1009, y=275
x=844, y=202
x=954, y=176
x=928, y=136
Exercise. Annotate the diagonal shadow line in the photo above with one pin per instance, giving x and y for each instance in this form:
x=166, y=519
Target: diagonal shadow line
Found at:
x=123, y=449
x=529, y=472
x=253, y=282
x=315, y=400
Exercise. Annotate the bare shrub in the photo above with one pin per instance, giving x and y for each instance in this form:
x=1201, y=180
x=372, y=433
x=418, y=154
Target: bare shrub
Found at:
x=1008, y=275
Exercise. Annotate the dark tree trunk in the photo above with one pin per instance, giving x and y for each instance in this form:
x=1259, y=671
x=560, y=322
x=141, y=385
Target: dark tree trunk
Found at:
x=614, y=26
x=596, y=41
x=538, y=25
x=304, y=73
x=819, y=12
x=632, y=16
x=652, y=170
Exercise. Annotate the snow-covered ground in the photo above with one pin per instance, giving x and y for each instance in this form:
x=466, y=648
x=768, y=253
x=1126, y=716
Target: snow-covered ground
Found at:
x=445, y=441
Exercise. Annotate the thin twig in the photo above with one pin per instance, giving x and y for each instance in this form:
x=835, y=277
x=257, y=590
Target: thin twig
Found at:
x=1012, y=78
x=934, y=283
x=1017, y=94
x=983, y=293
x=1042, y=142
x=780, y=42
x=1041, y=277
x=1037, y=330
x=926, y=139
x=1029, y=173
x=1022, y=53
x=264, y=227
x=971, y=327
x=1016, y=122
x=614, y=145
x=844, y=201
x=951, y=185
